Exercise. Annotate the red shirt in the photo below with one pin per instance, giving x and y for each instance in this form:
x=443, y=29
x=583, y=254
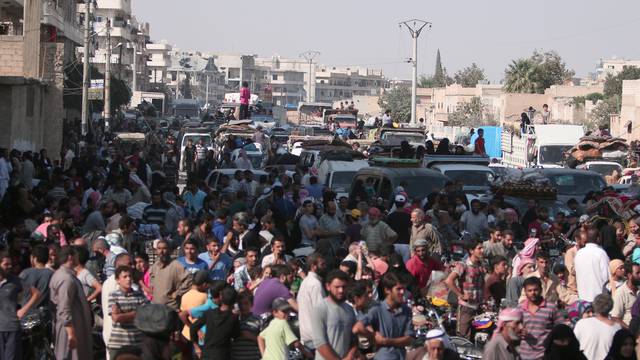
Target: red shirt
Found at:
x=245, y=95
x=479, y=146
x=422, y=271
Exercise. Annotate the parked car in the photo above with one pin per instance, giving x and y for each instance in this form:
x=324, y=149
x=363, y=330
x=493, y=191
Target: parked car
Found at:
x=570, y=183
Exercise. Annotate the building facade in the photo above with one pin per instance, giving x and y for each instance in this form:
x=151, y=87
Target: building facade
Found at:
x=613, y=67
x=194, y=75
x=37, y=43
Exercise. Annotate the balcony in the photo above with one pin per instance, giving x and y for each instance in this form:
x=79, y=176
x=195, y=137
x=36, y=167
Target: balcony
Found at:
x=122, y=5
x=158, y=63
x=53, y=15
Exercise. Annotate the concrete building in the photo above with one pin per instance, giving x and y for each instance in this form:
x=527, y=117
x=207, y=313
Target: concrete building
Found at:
x=343, y=83
x=128, y=41
x=627, y=123
x=613, y=67
x=158, y=62
x=283, y=79
x=37, y=42
x=205, y=81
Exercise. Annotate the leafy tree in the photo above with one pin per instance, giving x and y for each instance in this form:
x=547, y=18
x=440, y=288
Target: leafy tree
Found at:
x=520, y=76
x=185, y=87
x=120, y=92
x=438, y=76
x=426, y=81
x=467, y=113
x=469, y=76
x=550, y=70
x=613, y=84
x=536, y=73
x=601, y=113
x=398, y=100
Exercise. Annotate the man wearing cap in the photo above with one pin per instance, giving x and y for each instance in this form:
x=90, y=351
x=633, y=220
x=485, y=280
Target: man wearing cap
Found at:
x=399, y=221
x=377, y=233
x=437, y=346
x=506, y=337
x=421, y=264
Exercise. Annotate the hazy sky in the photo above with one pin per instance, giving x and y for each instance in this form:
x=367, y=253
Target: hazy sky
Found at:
x=366, y=32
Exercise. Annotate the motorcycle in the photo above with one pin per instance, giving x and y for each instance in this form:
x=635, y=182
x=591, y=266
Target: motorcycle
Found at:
x=36, y=341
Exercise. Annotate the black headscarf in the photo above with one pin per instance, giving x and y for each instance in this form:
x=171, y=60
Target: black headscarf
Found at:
x=569, y=352
x=619, y=339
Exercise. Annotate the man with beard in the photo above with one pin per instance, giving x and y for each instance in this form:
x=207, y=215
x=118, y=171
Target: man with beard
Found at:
x=73, y=314
x=506, y=337
x=376, y=233
x=474, y=221
x=539, y=317
x=168, y=279
x=277, y=286
x=421, y=229
x=156, y=213
x=333, y=320
x=330, y=226
x=625, y=296
x=390, y=320
x=310, y=295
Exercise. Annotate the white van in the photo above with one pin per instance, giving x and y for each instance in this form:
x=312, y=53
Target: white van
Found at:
x=338, y=175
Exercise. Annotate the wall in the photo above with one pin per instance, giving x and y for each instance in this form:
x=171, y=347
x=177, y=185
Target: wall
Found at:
x=11, y=59
x=21, y=106
x=630, y=110
x=515, y=104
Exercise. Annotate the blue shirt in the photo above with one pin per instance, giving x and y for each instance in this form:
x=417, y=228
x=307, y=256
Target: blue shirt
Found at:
x=315, y=190
x=194, y=202
x=219, y=231
x=391, y=324
x=221, y=267
x=199, y=264
x=198, y=312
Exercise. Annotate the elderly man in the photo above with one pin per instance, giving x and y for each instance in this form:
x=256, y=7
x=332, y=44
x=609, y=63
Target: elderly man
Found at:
x=506, y=337
x=377, y=233
x=169, y=280
x=437, y=346
x=421, y=229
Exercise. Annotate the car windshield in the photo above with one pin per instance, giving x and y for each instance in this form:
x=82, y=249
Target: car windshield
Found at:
x=604, y=169
x=552, y=154
x=256, y=160
x=577, y=184
x=398, y=136
x=196, y=139
x=421, y=186
x=342, y=179
x=471, y=177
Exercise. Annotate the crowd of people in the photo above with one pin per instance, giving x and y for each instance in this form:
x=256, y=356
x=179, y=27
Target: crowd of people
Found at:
x=104, y=240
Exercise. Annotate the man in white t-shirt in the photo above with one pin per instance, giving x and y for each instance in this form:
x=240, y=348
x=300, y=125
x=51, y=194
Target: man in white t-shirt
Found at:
x=595, y=334
x=474, y=221
x=592, y=268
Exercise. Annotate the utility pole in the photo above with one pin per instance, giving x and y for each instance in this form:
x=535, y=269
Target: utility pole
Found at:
x=107, y=80
x=415, y=27
x=85, y=68
x=177, y=84
x=310, y=56
x=135, y=65
x=206, y=96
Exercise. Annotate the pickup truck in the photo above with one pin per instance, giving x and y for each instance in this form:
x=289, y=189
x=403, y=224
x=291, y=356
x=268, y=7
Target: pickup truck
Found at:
x=541, y=146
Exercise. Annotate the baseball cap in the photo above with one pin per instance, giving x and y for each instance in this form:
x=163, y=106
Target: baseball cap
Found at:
x=280, y=304
x=355, y=213
x=401, y=198
x=201, y=277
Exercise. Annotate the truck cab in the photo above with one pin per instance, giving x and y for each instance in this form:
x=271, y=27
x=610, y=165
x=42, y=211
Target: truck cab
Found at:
x=540, y=146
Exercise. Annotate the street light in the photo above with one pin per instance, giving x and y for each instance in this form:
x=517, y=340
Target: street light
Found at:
x=415, y=27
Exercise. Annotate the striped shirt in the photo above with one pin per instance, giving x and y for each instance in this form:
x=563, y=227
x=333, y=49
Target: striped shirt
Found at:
x=201, y=152
x=155, y=214
x=471, y=277
x=125, y=334
x=538, y=325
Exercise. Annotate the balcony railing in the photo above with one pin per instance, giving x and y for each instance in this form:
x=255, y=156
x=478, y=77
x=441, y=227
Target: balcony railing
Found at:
x=53, y=15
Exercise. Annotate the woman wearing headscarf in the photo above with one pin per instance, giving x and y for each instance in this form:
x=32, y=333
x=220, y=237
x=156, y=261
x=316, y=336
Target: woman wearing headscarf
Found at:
x=623, y=346
x=562, y=344
x=443, y=147
x=617, y=277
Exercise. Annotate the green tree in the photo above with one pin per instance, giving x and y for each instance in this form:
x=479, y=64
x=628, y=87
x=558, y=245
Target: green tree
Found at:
x=601, y=113
x=550, y=70
x=438, y=76
x=613, y=84
x=520, y=76
x=398, y=100
x=468, y=113
x=469, y=76
x=120, y=92
x=536, y=73
x=425, y=81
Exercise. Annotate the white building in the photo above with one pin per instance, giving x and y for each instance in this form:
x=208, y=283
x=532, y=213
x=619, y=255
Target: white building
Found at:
x=206, y=82
x=128, y=40
x=159, y=60
x=343, y=83
x=613, y=67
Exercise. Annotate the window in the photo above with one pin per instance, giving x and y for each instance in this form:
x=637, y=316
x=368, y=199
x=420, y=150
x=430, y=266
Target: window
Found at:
x=274, y=77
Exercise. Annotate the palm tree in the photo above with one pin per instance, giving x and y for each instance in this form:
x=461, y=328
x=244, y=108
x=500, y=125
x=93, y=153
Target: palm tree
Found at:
x=520, y=76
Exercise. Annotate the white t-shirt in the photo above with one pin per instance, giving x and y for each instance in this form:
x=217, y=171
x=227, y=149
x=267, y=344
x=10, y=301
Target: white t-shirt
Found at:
x=474, y=223
x=592, y=271
x=595, y=337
